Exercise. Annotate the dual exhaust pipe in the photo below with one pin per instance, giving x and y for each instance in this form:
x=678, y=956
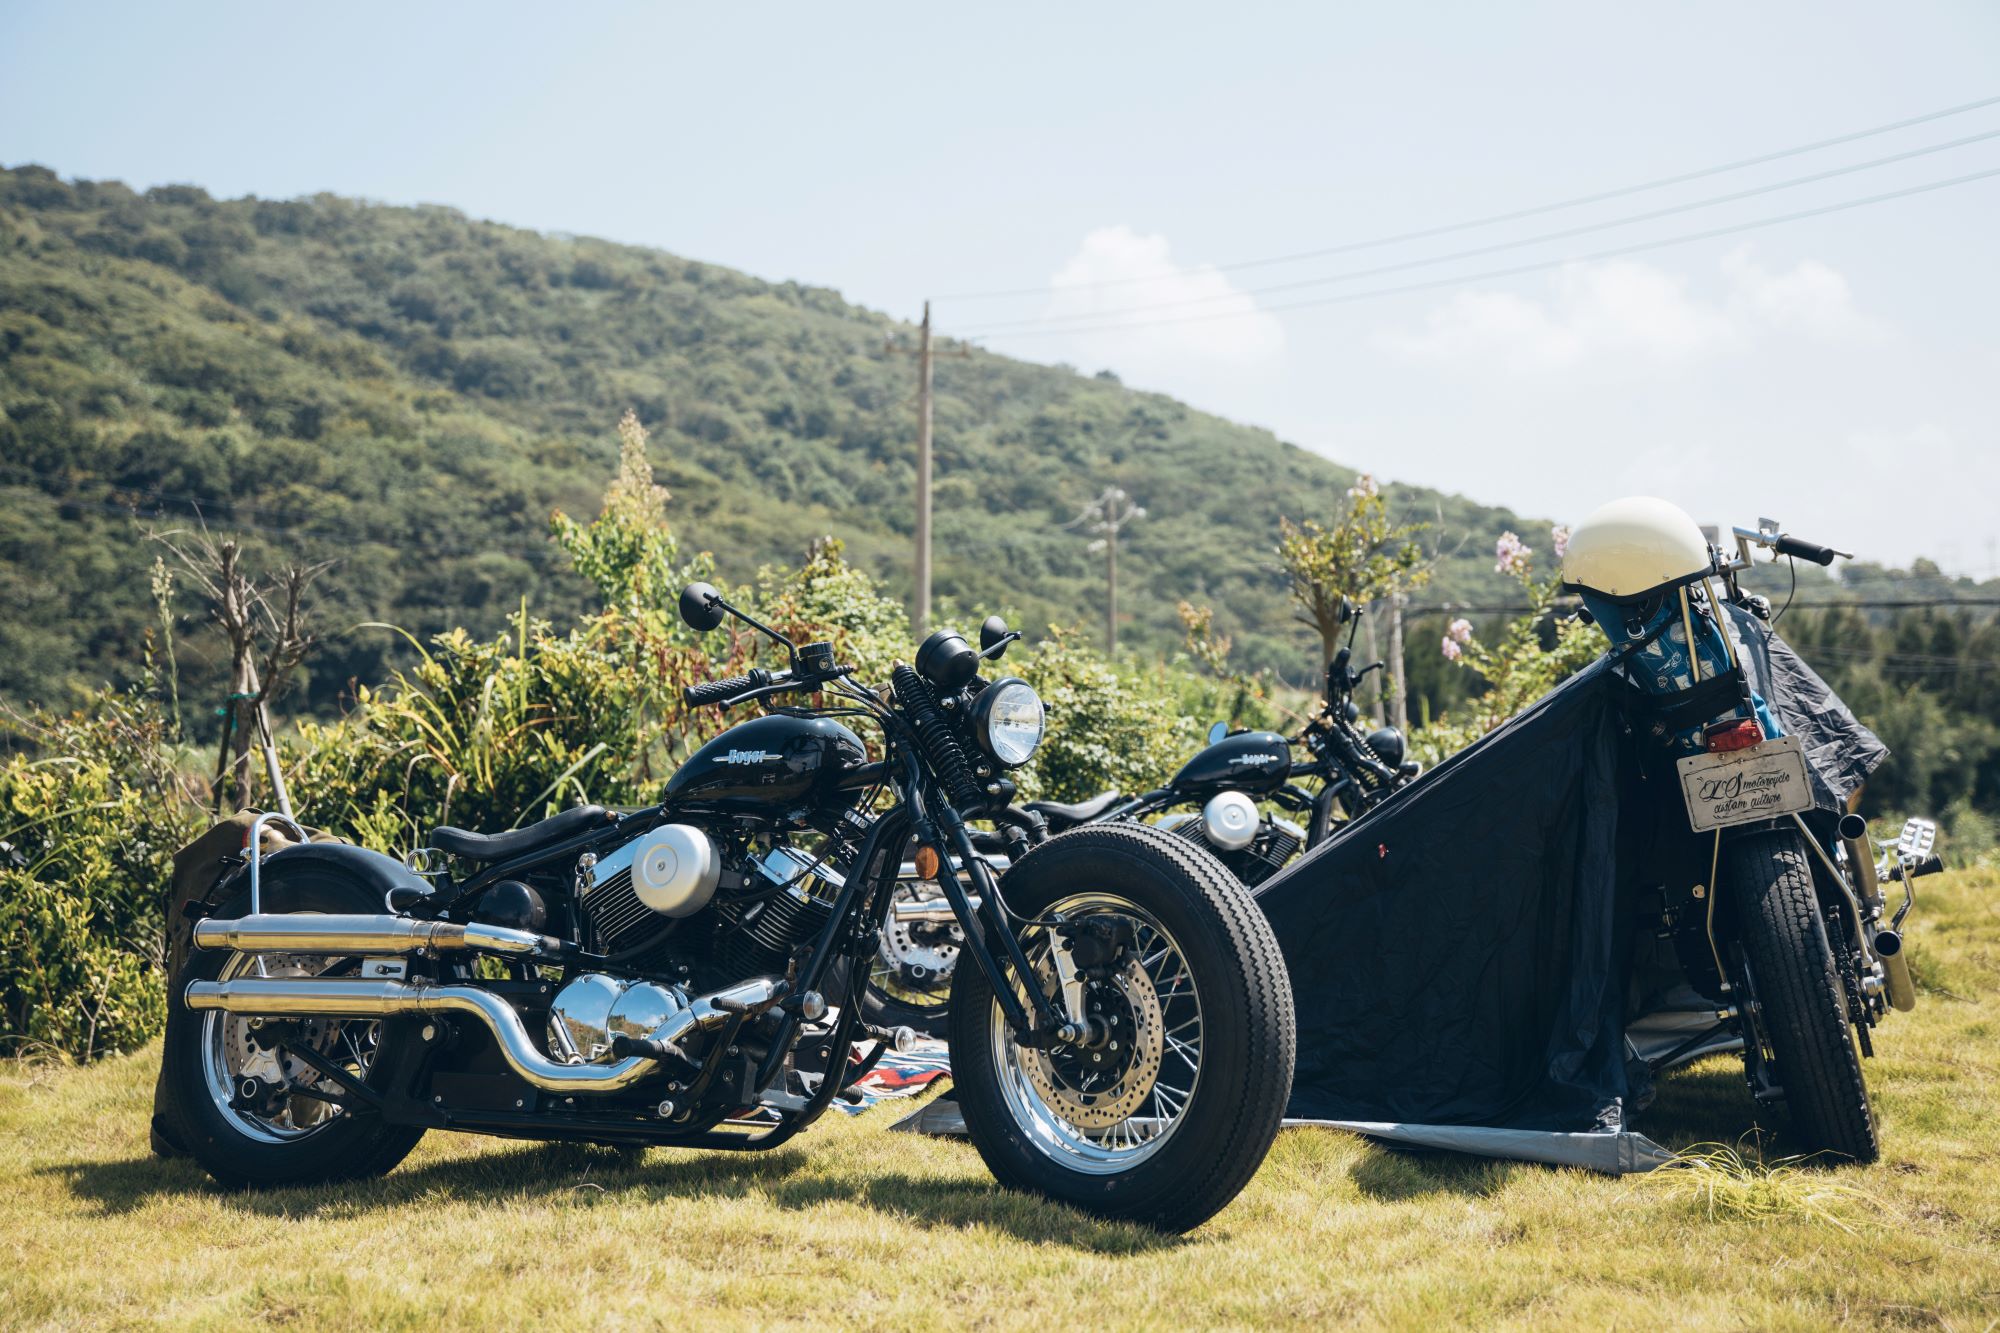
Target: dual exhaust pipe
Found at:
x=360, y=998
x=1887, y=944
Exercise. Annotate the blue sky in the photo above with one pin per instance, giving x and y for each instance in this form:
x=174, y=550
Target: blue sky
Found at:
x=1840, y=373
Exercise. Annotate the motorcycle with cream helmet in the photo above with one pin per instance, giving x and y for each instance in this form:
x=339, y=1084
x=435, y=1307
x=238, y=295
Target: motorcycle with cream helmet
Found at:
x=1769, y=896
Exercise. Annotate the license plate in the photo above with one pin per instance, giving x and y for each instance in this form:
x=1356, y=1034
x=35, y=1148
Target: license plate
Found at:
x=1742, y=786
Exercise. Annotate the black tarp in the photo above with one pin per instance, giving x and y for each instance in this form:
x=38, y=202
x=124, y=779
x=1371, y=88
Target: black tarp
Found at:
x=1459, y=956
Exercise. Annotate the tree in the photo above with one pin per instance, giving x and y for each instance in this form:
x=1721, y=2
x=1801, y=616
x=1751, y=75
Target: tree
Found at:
x=267, y=625
x=1363, y=557
x=1524, y=664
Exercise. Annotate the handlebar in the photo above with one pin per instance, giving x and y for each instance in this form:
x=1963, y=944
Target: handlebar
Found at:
x=758, y=684
x=718, y=691
x=1819, y=555
x=1766, y=535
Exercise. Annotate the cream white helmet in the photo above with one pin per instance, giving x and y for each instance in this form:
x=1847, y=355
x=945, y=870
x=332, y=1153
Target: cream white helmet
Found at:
x=1634, y=546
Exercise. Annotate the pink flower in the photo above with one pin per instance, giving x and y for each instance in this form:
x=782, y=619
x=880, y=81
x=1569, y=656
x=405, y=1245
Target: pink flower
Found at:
x=1450, y=649
x=1510, y=554
x=1559, y=538
x=1461, y=631
x=1364, y=488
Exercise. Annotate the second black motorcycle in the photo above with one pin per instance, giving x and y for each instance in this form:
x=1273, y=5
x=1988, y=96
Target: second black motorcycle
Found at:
x=1330, y=772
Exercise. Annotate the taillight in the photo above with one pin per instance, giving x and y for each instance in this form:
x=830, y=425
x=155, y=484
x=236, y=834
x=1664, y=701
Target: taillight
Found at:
x=1738, y=735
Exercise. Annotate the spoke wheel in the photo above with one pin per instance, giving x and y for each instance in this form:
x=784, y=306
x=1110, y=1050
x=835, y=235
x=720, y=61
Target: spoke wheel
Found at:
x=1172, y=987
x=1109, y=1103
x=257, y=1087
x=230, y=1099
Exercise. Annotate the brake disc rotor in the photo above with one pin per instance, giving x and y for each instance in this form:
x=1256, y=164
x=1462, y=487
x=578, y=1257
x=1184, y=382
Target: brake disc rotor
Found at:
x=901, y=955
x=1102, y=1092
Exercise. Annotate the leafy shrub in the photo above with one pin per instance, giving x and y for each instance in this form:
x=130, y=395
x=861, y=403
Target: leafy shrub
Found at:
x=87, y=835
x=1531, y=657
x=1108, y=726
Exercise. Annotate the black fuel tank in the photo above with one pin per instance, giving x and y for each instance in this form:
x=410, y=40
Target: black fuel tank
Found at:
x=770, y=765
x=1254, y=762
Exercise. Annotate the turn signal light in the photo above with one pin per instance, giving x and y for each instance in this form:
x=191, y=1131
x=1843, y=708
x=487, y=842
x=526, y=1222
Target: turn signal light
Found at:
x=1738, y=735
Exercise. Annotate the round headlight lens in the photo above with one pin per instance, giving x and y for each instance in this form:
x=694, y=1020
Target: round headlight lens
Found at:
x=1011, y=721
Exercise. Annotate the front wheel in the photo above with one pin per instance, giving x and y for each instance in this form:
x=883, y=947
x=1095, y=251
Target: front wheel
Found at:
x=1166, y=1108
x=1802, y=1004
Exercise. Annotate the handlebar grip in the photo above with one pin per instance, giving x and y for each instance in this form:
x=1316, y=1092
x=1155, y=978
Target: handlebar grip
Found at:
x=715, y=691
x=1819, y=555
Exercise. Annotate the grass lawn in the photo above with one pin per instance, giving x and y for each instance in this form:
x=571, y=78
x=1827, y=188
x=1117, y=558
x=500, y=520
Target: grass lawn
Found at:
x=854, y=1224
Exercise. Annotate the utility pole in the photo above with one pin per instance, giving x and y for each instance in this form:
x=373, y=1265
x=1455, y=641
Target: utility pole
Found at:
x=921, y=607
x=1399, y=703
x=1107, y=515
x=923, y=613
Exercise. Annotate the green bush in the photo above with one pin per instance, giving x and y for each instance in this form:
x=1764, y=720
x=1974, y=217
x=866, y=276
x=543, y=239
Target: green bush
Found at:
x=88, y=830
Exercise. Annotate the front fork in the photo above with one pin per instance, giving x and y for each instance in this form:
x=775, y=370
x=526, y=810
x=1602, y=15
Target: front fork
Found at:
x=1037, y=1024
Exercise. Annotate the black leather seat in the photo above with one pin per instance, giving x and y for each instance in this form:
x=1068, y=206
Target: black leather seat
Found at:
x=521, y=841
x=1062, y=816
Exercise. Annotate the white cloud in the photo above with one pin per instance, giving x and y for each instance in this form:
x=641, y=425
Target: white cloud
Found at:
x=1624, y=315
x=1162, y=348
x=1812, y=299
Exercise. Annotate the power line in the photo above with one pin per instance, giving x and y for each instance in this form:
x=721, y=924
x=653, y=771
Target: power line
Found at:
x=1540, y=266
x=1819, y=604
x=1517, y=215
x=1475, y=252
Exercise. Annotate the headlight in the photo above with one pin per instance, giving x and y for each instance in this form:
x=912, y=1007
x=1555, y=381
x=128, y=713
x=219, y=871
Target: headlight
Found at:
x=1007, y=718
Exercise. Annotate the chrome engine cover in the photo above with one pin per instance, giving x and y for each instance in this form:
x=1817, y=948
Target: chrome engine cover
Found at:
x=580, y=1018
x=644, y=1009
x=589, y=1011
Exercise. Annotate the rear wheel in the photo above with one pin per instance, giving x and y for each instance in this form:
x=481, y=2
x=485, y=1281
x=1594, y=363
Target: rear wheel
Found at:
x=1802, y=1004
x=1165, y=1110
x=240, y=1103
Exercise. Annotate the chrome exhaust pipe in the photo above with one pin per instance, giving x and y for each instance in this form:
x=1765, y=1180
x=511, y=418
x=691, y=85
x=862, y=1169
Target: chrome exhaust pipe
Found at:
x=364, y=936
x=933, y=909
x=319, y=997
x=1861, y=857
x=1896, y=970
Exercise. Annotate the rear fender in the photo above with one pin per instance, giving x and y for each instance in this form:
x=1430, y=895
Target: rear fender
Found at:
x=379, y=875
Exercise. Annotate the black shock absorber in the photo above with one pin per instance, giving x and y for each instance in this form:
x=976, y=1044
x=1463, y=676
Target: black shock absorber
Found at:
x=935, y=734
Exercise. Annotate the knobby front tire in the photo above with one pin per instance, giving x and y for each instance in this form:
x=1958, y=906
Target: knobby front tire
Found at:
x=1803, y=1006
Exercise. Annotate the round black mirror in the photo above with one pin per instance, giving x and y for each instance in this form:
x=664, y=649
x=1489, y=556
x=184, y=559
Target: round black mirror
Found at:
x=946, y=660
x=1346, y=610
x=992, y=632
x=1219, y=731
x=701, y=607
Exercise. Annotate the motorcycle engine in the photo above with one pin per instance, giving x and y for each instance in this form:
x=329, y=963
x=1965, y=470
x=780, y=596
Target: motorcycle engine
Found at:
x=757, y=909
x=1253, y=847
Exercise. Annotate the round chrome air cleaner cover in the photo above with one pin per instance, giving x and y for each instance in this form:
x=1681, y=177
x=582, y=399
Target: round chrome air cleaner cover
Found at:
x=1230, y=820
x=674, y=869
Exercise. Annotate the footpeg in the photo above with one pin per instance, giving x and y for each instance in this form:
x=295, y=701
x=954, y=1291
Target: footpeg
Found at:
x=729, y=1002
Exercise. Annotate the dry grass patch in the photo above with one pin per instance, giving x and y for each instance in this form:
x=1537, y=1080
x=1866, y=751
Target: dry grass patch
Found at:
x=856, y=1225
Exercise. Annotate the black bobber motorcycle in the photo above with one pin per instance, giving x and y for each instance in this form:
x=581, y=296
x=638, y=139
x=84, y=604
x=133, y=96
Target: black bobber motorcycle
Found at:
x=1215, y=801
x=690, y=974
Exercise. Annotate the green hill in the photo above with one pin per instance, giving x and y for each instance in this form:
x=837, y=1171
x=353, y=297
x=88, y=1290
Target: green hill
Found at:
x=411, y=392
